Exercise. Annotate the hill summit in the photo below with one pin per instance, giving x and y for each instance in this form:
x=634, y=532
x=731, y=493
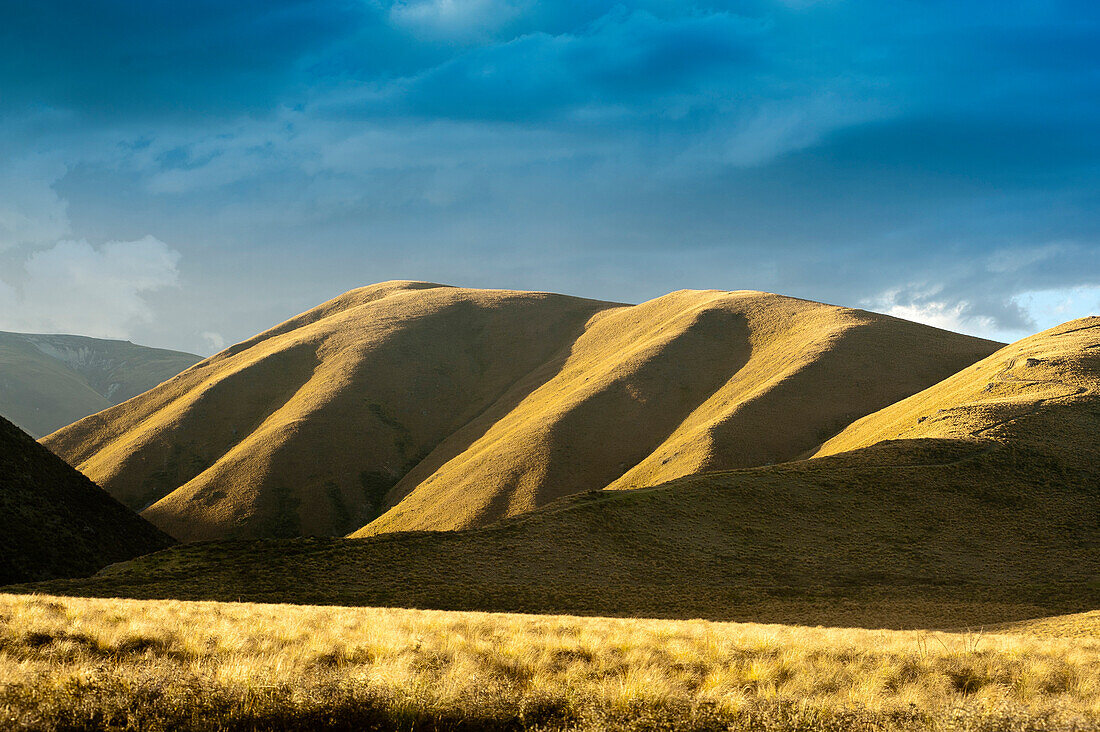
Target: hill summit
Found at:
x=411, y=405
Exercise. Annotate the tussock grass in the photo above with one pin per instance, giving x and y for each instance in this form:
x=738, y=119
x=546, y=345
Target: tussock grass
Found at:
x=73, y=663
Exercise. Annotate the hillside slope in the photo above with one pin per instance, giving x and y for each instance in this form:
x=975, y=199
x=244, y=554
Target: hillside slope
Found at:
x=54, y=522
x=418, y=406
x=690, y=382
x=303, y=428
x=899, y=535
x=995, y=524
x=49, y=381
x=1006, y=398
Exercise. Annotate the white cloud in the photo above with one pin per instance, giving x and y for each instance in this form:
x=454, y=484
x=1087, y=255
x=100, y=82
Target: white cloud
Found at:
x=31, y=212
x=74, y=287
x=946, y=315
x=214, y=341
x=931, y=307
x=1037, y=310
x=1049, y=308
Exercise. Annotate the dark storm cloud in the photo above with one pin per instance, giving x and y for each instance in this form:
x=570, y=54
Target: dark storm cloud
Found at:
x=624, y=58
x=935, y=158
x=124, y=58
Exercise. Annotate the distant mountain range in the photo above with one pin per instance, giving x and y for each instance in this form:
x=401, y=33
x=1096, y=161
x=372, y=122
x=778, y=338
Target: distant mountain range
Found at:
x=49, y=381
x=410, y=405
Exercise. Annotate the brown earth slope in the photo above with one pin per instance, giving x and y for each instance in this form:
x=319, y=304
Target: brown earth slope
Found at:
x=417, y=406
x=54, y=522
x=998, y=521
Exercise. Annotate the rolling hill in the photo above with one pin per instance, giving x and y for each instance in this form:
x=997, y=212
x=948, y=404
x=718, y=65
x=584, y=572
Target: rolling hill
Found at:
x=985, y=510
x=49, y=381
x=1014, y=398
x=54, y=522
x=406, y=405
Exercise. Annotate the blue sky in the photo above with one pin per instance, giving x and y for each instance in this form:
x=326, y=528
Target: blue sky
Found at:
x=185, y=174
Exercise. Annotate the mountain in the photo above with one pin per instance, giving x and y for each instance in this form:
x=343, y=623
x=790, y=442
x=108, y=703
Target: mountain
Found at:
x=687, y=383
x=411, y=405
x=975, y=501
x=49, y=381
x=54, y=522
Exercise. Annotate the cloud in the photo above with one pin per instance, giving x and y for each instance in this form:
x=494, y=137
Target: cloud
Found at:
x=117, y=59
x=624, y=59
x=31, y=212
x=462, y=19
x=996, y=312
x=931, y=308
x=74, y=287
x=1048, y=308
x=215, y=342
x=320, y=144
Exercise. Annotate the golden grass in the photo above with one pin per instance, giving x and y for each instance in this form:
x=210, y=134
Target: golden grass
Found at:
x=451, y=408
x=1076, y=625
x=993, y=398
x=690, y=382
x=123, y=664
x=996, y=522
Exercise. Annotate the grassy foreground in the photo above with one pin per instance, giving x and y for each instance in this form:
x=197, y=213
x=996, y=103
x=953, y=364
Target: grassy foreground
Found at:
x=73, y=663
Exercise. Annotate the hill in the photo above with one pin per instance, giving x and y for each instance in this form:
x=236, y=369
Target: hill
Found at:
x=54, y=522
x=1014, y=397
x=999, y=524
x=49, y=381
x=417, y=406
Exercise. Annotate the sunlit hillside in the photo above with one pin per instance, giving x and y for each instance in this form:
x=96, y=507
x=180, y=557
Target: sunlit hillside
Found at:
x=1038, y=393
x=49, y=381
x=999, y=524
x=305, y=427
x=691, y=382
x=173, y=666
x=416, y=406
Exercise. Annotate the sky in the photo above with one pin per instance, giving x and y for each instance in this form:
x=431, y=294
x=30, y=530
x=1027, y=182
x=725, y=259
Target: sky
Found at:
x=186, y=174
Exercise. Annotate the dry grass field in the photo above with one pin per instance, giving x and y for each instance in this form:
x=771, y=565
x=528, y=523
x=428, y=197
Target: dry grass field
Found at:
x=171, y=665
x=971, y=505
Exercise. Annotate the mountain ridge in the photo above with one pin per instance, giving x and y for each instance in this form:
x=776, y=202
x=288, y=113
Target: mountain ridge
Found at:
x=928, y=531
x=48, y=381
x=54, y=522
x=408, y=405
